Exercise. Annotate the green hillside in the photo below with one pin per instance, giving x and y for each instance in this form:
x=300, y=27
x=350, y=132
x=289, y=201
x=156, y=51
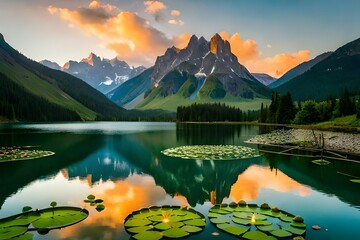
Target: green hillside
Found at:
x=329, y=77
x=50, y=88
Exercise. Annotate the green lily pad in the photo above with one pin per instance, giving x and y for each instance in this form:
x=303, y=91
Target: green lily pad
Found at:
x=8, y=154
x=11, y=232
x=91, y=197
x=243, y=215
x=22, y=220
x=234, y=230
x=26, y=236
x=139, y=229
x=256, y=235
x=137, y=222
x=98, y=201
x=263, y=217
x=58, y=217
x=162, y=226
x=195, y=222
x=100, y=207
x=297, y=224
x=219, y=220
x=296, y=231
x=286, y=218
x=191, y=229
x=266, y=228
x=281, y=233
x=212, y=215
x=148, y=235
x=170, y=221
x=26, y=209
x=175, y=233
x=241, y=221
x=321, y=162
x=355, y=180
x=211, y=152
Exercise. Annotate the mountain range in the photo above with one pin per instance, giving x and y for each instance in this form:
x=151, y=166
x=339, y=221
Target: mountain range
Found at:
x=329, y=77
x=299, y=69
x=202, y=71
x=102, y=74
x=264, y=78
x=31, y=91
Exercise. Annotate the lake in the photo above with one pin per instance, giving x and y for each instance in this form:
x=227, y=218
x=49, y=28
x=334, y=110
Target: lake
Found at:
x=122, y=163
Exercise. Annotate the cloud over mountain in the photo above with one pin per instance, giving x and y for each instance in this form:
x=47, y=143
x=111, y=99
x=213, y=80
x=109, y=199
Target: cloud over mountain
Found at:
x=129, y=35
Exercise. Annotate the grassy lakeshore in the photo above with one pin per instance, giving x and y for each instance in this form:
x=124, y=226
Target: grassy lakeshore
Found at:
x=341, y=124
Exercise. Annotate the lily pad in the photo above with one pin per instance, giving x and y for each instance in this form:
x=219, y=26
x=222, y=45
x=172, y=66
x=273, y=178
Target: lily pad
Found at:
x=191, y=229
x=100, y=207
x=211, y=152
x=11, y=232
x=297, y=231
x=175, y=233
x=234, y=230
x=355, y=180
x=162, y=226
x=26, y=236
x=266, y=228
x=20, y=220
x=256, y=235
x=137, y=222
x=58, y=217
x=139, y=229
x=321, y=162
x=26, y=209
x=265, y=218
x=297, y=224
x=148, y=235
x=280, y=233
x=195, y=222
x=91, y=197
x=8, y=154
x=170, y=221
x=219, y=220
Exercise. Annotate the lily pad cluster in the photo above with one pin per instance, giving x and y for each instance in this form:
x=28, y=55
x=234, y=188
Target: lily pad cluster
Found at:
x=157, y=222
x=251, y=221
x=211, y=152
x=97, y=203
x=44, y=220
x=21, y=153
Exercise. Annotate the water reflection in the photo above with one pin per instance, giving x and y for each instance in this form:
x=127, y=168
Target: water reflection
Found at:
x=255, y=178
x=129, y=172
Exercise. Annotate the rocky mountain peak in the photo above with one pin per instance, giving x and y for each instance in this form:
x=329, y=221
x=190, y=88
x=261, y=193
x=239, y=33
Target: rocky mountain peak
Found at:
x=218, y=45
x=2, y=37
x=92, y=59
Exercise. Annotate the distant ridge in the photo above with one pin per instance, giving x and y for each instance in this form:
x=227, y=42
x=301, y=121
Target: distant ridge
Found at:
x=329, y=77
x=30, y=91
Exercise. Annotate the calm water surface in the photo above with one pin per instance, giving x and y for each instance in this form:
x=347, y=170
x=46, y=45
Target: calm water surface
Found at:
x=121, y=163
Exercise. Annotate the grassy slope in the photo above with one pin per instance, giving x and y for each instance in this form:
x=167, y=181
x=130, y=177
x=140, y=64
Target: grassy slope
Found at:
x=36, y=86
x=170, y=103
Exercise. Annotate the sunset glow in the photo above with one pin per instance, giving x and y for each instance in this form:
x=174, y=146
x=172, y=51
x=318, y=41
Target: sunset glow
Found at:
x=139, y=31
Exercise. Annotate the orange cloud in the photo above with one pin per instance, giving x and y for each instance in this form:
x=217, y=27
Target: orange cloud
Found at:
x=243, y=49
x=154, y=7
x=129, y=35
x=175, y=13
x=176, y=22
x=249, y=55
x=182, y=40
x=279, y=64
x=121, y=198
x=249, y=184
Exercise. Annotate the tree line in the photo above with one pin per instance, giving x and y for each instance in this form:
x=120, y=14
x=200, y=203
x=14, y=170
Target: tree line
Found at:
x=214, y=112
x=283, y=110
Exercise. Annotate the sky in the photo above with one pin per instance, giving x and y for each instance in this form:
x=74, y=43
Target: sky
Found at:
x=267, y=36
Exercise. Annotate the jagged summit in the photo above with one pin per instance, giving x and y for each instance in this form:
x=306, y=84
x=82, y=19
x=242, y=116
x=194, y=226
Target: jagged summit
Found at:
x=92, y=59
